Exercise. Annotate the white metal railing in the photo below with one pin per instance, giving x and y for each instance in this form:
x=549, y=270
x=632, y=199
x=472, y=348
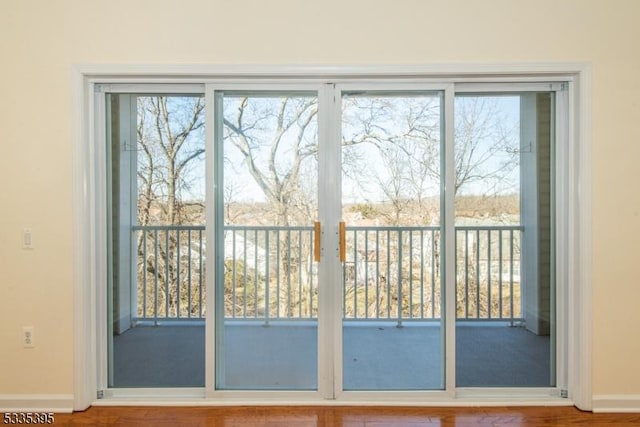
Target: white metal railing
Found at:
x=488, y=264
x=390, y=273
x=278, y=255
x=170, y=272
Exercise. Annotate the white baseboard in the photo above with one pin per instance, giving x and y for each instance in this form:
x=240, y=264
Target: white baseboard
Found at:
x=36, y=403
x=616, y=403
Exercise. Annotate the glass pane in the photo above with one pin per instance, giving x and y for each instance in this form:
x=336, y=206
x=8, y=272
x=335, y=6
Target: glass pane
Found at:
x=268, y=293
x=156, y=281
x=393, y=336
x=504, y=240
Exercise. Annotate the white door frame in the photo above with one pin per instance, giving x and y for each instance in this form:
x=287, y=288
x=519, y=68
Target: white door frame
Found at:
x=89, y=215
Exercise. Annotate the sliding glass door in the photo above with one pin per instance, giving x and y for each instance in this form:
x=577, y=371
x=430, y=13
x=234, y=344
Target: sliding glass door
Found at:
x=332, y=239
x=505, y=225
x=391, y=248
x=266, y=274
x=156, y=306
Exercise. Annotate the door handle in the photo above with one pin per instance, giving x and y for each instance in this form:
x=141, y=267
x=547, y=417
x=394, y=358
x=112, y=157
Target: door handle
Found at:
x=316, y=241
x=342, y=235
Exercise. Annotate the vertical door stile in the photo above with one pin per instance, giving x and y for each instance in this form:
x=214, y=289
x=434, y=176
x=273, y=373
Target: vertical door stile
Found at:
x=449, y=239
x=560, y=225
x=102, y=105
x=329, y=277
x=211, y=168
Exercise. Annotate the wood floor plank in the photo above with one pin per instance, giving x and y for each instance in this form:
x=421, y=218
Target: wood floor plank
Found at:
x=320, y=416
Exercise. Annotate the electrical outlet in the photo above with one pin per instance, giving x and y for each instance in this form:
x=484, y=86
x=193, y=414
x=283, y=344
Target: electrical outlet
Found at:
x=28, y=338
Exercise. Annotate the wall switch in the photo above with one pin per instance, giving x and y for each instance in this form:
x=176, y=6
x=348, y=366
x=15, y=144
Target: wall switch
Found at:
x=28, y=338
x=27, y=238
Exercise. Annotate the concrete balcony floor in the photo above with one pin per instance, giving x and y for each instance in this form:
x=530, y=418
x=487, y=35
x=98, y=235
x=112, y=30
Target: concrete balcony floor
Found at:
x=377, y=356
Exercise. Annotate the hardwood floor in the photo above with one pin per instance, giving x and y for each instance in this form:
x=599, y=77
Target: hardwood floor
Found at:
x=318, y=416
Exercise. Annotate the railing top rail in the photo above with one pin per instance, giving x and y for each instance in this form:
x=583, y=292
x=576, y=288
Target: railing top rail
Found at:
x=167, y=227
x=489, y=227
x=393, y=227
x=307, y=228
x=269, y=227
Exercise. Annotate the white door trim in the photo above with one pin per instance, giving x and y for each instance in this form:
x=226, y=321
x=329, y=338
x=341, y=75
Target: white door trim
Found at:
x=87, y=185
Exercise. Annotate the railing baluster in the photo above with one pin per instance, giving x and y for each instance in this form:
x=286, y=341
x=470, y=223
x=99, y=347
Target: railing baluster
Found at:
x=399, y=232
x=422, y=274
x=377, y=274
x=244, y=273
x=189, y=305
x=178, y=273
x=355, y=274
x=156, y=274
x=466, y=273
x=255, y=274
x=266, y=280
x=366, y=274
x=166, y=276
x=500, y=274
x=200, y=275
x=299, y=257
x=289, y=312
x=233, y=273
x=278, y=261
x=388, y=274
x=433, y=274
x=144, y=273
x=410, y=274
x=478, y=274
x=489, y=262
x=457, y=268
x=344, y=288
x=511, y=276
x=311, y=262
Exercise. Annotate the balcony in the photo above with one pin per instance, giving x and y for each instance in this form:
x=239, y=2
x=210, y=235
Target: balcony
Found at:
x=391, y=299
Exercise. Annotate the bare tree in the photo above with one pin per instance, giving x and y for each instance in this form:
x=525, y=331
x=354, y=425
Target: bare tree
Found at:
x=390, y=149
x=170, y=142
x=273, y=138
x=403, y=134
x=486, y=149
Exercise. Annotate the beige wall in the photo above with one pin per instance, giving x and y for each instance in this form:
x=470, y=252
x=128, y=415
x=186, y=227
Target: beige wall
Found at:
x=40, y=40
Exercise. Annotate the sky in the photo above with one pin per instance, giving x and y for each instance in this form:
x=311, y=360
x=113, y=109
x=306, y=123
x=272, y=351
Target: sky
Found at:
x=391, y=154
